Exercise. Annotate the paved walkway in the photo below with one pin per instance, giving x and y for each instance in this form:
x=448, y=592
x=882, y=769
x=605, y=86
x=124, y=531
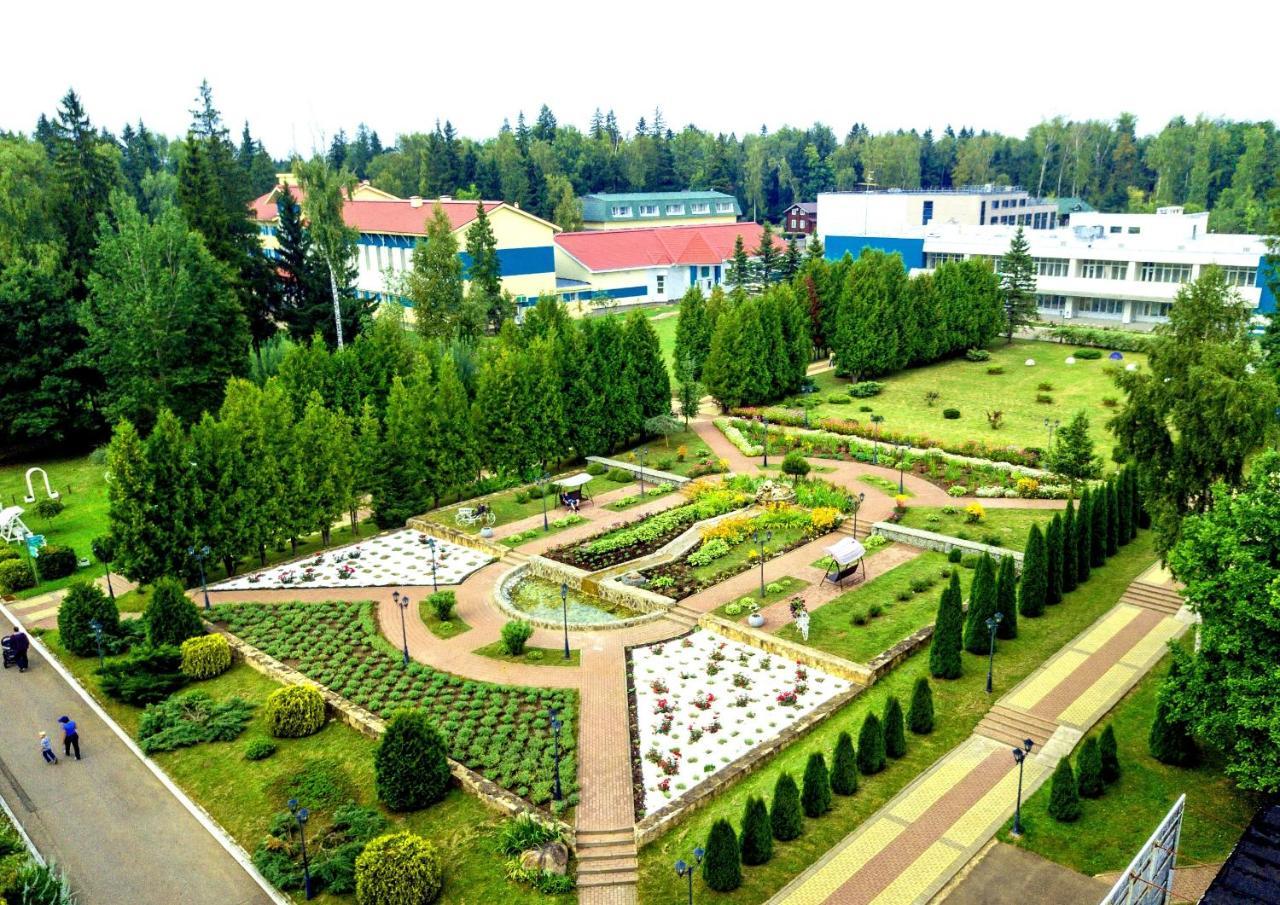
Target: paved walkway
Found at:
x=107, y=821
x=1008, y=875
x=909, y=849
x=42, y=611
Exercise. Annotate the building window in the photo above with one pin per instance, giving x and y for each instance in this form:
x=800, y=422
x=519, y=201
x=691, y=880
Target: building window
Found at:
x=620, y=210
x=933, y=258
x=1135, y=230
x=701, y=208
x=660, y=284
x=675, y=210
x=927, y=214
x=795, y=224
x=1100, y=307
x=1052, y=267
x=1114, y=229
x=1157, y=272
x=648, y=210
x=706, y=271
x=1240, y=276
x=1022, y=202
x=724, y=207
x=1152, y=309
x=1104, y=270
x=1051, y=302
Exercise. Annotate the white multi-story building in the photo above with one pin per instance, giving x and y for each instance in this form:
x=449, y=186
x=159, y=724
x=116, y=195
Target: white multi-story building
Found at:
x=1117, y=269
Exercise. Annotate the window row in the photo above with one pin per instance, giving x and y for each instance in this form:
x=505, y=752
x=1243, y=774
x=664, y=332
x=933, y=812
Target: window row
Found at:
x=1052, y=267
x=933, y=258
x=671, y=210
x=1158, y=272
x=1104, y=270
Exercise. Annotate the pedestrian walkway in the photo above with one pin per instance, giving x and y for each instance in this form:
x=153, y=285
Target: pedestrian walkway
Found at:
x=107, y=821
x=41, y=611
x=914, y=845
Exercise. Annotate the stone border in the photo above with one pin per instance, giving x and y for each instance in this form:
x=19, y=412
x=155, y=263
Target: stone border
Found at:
x=639, y=599
x=801, y=653
x=499, y=597
x=663, y=477
x=942, y=543
x=454, y=536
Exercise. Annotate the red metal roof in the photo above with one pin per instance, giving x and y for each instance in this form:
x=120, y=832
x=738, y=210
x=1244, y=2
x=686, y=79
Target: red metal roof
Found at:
x=624, y=249
x=399, y=216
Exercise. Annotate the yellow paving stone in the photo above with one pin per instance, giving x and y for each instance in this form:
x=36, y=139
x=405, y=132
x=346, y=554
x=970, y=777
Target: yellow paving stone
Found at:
x=939, y=781
x=1105, y=630
x=937, y=863
x=994, y=808
x=875, y=836
x=1094, y=702
x=1152, y=644
x=1057, y=669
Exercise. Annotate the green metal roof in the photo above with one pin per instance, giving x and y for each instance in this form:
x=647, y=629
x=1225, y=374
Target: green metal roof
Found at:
x=597, y=208
x=1073, y=206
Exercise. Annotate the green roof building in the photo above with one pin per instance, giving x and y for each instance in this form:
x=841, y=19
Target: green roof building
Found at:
x=630, y=210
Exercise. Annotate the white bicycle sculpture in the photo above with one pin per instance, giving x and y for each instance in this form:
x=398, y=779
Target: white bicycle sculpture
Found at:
x=468, y=516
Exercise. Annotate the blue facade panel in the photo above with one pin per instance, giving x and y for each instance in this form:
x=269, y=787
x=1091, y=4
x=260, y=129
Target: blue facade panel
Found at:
x=1266, y=273
x=911, y=250
x=517, y=262
x=625, y=292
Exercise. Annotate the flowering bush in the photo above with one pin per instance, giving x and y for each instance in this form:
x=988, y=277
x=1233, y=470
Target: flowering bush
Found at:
x=974, y=513
x=824, y=519
x=989, y=492
x=900, y=502
x=704, y=703
x=1028, y=487
x=787, y=698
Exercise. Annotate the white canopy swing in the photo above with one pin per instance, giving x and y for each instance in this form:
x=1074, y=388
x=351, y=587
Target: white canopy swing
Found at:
x=846, y=557
x=574, y=487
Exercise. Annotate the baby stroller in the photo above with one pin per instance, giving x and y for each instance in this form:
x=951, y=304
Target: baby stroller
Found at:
x=10, y=659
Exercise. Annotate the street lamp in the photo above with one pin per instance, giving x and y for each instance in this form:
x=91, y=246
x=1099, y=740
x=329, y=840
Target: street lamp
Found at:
x=542, y=492
x=875, y=441
x=640, y=456
x=684, y=869
x=861, y=496
x=199, y=557
x=992, y=623
x=556, y=725
x=902, y=463
x=760, y=542
x=431, y=545
x=564, y=612
x=765, y=424
x=1020, y=755
x=402, y=602
x=96, y=626
x=1051, y=426
x=300, y=816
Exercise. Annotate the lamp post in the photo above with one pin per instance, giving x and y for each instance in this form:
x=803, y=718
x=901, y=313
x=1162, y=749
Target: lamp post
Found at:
x=564, y=612
x=96, y=626
x=431, y=545
x=300, y=816
x=902, y=464
x=542, y=492
x=402, y=602
x=684, y=869
x=861, y=496
x=556, y=725
x=199, y=557
x=875, y=441
x=1051, y=426
x=765, y=446
x=760, y=542
x=992, y=623
x=1020, y=755
x=640, y=456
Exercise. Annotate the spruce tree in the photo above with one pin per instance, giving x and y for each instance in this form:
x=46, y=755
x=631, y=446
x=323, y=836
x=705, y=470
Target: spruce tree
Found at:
x=1084, y=537
x=895, y=737
x=738, y=274
x=871, y=754
x=1018, y=283
x=1007, y=599
x=1089, y=769
x=1098, y=528
x=1072, y=455
x=1170, y=740
x=722, y=866
x=484, y=271
x=410, y=764
x=920, y=714
x=435, y=283
x=945, y=661
x=1069, y=546
x=1034, y=575
x=768, y=258
x=1113, y=519
x=1053, y=560
x=1064, y=799
x=982, y=606
x=170, y=616
x=1109, y=754
x=757, y=835
x=815, y=796
x=844, y=766
x=785, y=816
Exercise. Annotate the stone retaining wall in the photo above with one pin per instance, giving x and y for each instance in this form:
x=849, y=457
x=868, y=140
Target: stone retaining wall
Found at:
x=801, y=653
x=454, y=536
x=942, y=543
x=613, y=591
x=659, y=477
x=500, y=601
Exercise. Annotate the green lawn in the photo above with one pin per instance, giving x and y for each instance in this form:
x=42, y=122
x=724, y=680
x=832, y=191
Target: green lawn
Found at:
x=1010, y=525
x=783, y=588
x=532, y=656
x=740, y=554
x=506, y=508
x=665, y=327
x=337, y=762
x=449, y=629
x=554, y=526
x=959, y=705
x=966, y=385
x=884, y=485
x=1107, y=835
x=831, y=626
x=663, y=454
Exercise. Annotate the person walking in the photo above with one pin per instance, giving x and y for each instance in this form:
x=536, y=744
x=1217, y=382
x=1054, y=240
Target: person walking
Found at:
x=19, y=643
x=46, y=749
x=70, y=738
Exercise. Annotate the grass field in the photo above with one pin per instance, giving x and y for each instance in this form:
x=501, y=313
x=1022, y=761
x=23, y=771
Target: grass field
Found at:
x=1010, y=525
x=532, y=656
x=959, y=705
x=450, y=629
x=783, y=588
x=966, y=385
x=506, y=508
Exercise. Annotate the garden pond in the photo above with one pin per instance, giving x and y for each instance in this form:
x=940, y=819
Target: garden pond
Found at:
x=539, y=598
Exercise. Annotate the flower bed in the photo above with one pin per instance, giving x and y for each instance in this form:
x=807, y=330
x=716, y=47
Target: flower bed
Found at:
x=388, y=560
x=500, y=731
x=702, y=702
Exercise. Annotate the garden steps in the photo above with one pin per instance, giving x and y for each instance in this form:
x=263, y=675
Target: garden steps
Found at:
x=1011, y=725
x=683, y=615
x=1160, y=598
x=862, y=532
x=607, y=858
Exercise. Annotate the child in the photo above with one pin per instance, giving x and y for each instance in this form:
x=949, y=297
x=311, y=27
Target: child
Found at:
x=46, y=749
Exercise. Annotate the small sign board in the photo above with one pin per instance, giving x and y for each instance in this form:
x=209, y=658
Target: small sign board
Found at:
x=34, y=543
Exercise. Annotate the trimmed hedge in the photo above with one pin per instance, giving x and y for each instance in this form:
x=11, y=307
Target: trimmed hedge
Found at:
x=205, y=657
x=515, y=635
x=398, y=869
x=56, y=562
x=15, y=575
x=410, y=766
x=295, y=711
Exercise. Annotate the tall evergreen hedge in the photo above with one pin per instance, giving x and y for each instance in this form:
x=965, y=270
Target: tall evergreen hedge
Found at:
x=1035, y=575
x=1007, y=599
x=1098, y=532
x=1113, y=519
x=785, y=817
x=895, y=736
x=1084, y=537
x=722, y=866
x=982, y=605
x=757, y=834
x=815, y=794
x=1070, y=544
x=948, y=633
x=871, y=755
x=844, y=766
x=1064, y=799
x=920, y=714
x=1053, y=557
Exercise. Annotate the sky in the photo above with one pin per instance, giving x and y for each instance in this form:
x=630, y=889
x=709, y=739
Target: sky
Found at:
x=298, y=72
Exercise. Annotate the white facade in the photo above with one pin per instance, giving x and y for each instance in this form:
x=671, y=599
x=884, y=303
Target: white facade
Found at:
x=889, y=213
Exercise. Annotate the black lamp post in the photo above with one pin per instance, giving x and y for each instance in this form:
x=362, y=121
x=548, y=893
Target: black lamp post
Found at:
x=402, y=602
x=96, y=626
x=1020, y=755
x=542, y=492
x=300, y=816
x=640, y=456
x=875, y=441
x=861, y=497
x=765, y=446
x=1051, y=426
x=902, y=464
x=556, y=725
x=760, y=542
x=992, y=623
x=564, y=612
x=431, y=545
x=199, y=557
x=684, y=869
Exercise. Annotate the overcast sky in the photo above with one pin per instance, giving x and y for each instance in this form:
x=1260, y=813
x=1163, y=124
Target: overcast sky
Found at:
x=299, y=72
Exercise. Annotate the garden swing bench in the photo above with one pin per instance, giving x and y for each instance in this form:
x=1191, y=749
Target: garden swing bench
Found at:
x=846, y=559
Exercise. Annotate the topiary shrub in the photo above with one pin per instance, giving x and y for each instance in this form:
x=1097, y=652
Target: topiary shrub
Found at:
x=785, y=817
x=398, y=869
x=951, y=414
x=170, y=617
x=295, y=711
x=895, y=737
x=844, y=766
x=83, y=604
x=722, y=866
x=795, y=464
x=945, y=661
x=815, y=796
x=205, y=656
x=442, y=604
x=515, y=635
x=954, y=555
x=1109, y=754
x=259, y=749
x=865, y=389
x=55, y=562
x=871, y=758
x=1064, y=800
x=757, y=835
x=411, y=769
x=15, y=575
x=920, y=714
x=1089, y=769
x=1087, y=354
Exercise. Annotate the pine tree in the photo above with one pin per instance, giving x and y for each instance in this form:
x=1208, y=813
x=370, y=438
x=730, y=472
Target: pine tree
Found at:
x=1018, y=282
x=815, y=795
x=895, y=737
x=738, y=273
x=1108, y=754
x=305, y=307
x=1084, y=537
x=411, y=769
x=945, y=661
x=484, y=272
x=1053, y=559
x=722, y=867
x=871, y=753
x=920, y=714
x=1072, y=455
x=1064, y=799
x=757, y=835
x=1070, y=544
x=434, y=285
x=844, y=766
x=170, y=616
x=1034, y=575
x=791, y=260
x=1113, y=519
x=785, y=816
x=982, y=606
x=1007, y=599
x=1098, y=527
x=768, y=259
x=1089, y=769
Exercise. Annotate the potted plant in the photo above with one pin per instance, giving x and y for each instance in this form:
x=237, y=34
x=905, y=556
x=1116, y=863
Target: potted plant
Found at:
x=755, y=618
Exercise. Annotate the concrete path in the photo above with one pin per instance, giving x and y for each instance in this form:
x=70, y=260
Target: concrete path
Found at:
x=41, y=611
x=107, y=821
x=1008, y=875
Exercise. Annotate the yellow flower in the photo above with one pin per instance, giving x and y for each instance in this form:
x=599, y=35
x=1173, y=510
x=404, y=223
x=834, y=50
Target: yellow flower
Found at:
x=974, y=512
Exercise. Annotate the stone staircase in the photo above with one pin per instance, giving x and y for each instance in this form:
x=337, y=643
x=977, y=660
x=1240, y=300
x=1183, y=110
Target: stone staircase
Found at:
x=515, y=558
x=682, y=616
x=1161, y=598
x=862, y=533
x=606, y=859
x=1011, y=725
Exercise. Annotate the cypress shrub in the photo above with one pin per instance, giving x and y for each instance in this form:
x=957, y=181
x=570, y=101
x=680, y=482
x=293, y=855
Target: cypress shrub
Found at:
x=895, y=736
x=398, y=869
x=785, y=817
x=1089, y=769
x=1084, y=534
x=844, y=766
x=948, y=630
x=1124, y=513
x=170, y=617
x=294, y=711
x=1007, y=598
x=1109, y=754
x=1098, y=532
x=410, y=764
x=722, y=866
x=1170, y=740
x=1064, y=800
x=1053, y=560
x=1035, y=573
x=920, y=714
x=757, y=835
x=1069, y=546
x=871, y=746
x=982, y=604
x=205, y=656
x=1113, y=519
x=83, y=604
x=815, y=795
